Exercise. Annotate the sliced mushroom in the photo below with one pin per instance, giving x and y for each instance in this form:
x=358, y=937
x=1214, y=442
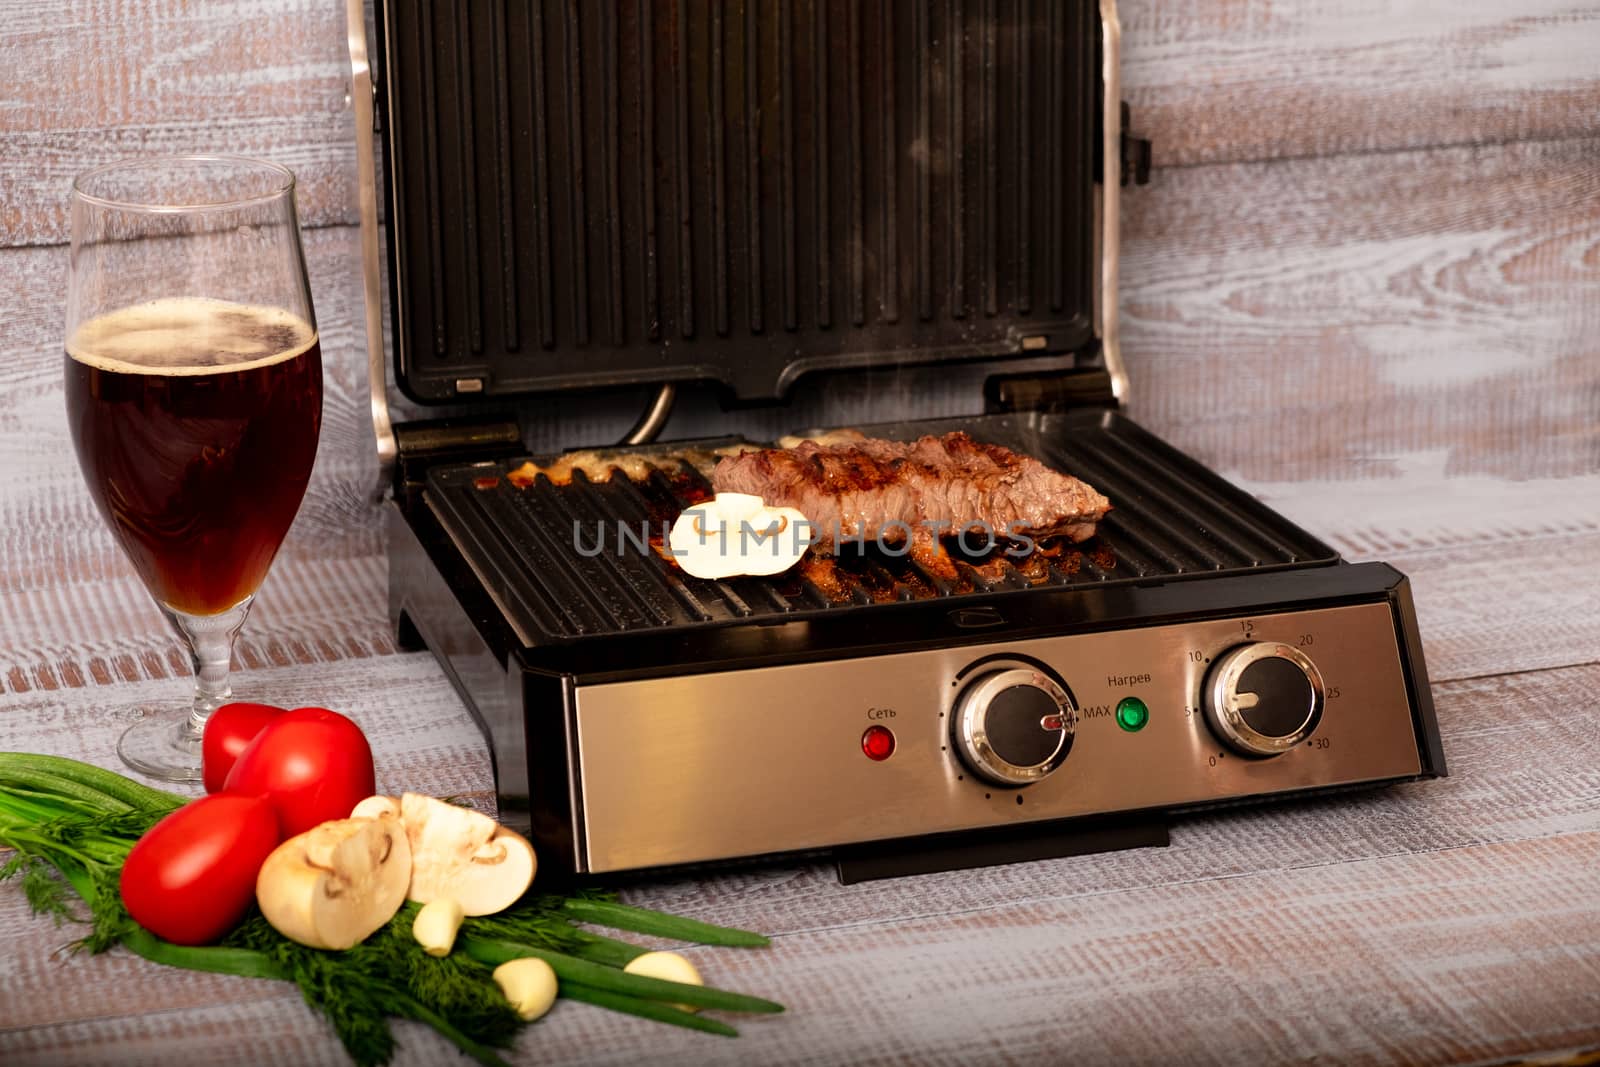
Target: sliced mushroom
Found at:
x=464, y=855
x=335, y=884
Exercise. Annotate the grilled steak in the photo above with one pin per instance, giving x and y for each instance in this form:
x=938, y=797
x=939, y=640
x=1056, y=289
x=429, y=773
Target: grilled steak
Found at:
x=935, y=486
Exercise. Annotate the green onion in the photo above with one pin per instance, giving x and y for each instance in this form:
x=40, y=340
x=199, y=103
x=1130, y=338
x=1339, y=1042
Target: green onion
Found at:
x=27, y=807
x=63, y=773
x=243, y=962
x=419, y=1011
x=38, y=783
x=647, y=1009
x=645, y=921
x=598, y=976
x=605, y=950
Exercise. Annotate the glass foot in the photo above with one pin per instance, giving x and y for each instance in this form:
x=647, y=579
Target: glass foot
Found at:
x=163, y=745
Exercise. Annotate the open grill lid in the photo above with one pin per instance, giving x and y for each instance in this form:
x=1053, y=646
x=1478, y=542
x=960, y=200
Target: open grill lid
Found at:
x=626, y=191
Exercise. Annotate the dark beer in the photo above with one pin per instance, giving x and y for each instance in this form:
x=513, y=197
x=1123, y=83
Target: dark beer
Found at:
x=196, y=425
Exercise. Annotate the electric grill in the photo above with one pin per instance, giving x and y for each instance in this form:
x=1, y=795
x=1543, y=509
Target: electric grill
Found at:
x=781, y=214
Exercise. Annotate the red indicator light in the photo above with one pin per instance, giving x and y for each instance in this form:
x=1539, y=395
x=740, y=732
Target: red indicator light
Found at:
x=1052, y=722
x=878, y=743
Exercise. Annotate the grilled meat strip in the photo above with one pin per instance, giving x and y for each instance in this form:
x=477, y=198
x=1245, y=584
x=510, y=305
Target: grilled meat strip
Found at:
x=934, y=486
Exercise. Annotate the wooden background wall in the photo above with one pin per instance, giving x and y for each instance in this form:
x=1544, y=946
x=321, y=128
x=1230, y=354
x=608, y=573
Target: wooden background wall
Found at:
x=1370, y=254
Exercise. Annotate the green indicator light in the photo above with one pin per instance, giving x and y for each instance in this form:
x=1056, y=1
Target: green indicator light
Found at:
x=1132, y=714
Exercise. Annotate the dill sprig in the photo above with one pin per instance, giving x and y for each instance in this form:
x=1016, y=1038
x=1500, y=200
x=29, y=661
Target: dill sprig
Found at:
x=46, y=892
x=72, y=826
x=385, y=975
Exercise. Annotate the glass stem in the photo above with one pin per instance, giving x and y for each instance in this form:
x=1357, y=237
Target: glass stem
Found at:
x=210, y=639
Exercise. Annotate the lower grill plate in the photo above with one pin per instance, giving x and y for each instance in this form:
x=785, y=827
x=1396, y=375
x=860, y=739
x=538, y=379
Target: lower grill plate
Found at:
x=1171, y=519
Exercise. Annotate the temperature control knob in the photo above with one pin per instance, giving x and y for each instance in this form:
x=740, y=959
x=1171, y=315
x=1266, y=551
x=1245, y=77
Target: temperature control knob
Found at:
x=1265, y=698
x=1013, y=725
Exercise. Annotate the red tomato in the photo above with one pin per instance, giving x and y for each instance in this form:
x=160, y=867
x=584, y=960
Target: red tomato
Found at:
x=311, y=763
x=230, y=728
x=192, y=876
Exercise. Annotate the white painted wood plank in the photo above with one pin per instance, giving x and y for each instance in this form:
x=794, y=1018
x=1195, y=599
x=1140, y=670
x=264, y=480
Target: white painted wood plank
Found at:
x=1259, y=79
x=239, y=1021
x=422, y=736
x=1454, y=956
x=84, y=83
x=1517, y=606
x=1373, y=317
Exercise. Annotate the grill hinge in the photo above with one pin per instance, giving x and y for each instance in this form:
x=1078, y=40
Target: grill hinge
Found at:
x=1135, y=153
x=1134, y=168
x=465, y=439
x=1083, y=387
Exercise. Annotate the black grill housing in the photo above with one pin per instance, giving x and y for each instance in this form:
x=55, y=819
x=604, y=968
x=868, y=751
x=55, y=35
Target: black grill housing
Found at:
x=595, y=193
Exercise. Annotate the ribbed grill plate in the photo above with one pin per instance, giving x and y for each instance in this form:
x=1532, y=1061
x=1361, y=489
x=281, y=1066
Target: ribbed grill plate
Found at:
x=1172, y=520
x=622, y=191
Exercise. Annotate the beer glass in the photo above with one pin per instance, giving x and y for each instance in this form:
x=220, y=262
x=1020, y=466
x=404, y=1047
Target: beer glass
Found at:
x=194, y=394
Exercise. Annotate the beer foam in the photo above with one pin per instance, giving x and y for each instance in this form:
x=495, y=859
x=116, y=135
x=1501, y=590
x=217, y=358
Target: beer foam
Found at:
x=188, y=336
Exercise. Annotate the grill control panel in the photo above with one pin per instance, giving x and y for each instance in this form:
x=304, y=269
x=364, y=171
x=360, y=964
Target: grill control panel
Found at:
x=746, y=762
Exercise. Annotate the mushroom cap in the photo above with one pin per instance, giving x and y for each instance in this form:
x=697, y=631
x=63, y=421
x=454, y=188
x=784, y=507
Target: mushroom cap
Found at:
x=376, y=806
x=335, y=884
x=464, y=855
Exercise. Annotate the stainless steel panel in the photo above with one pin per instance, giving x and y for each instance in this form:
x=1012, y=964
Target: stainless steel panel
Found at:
x=741, y=763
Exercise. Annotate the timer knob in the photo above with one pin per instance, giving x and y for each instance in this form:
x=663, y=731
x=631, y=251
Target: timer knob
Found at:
x=1013, y=726
x=1263, y=699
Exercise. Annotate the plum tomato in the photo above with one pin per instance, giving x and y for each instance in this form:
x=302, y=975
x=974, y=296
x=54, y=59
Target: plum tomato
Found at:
x=229, y=729
x=192, y=876
x=312, y=764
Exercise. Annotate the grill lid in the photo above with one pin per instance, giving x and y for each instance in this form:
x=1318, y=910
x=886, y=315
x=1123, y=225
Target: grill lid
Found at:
x=593, y=194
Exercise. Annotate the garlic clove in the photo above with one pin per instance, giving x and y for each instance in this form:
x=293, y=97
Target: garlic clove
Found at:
x=529, y=985
x=667, y=966
x=436, y=925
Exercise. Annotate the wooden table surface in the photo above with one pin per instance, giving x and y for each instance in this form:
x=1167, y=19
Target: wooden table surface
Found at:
x=1364, y=284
